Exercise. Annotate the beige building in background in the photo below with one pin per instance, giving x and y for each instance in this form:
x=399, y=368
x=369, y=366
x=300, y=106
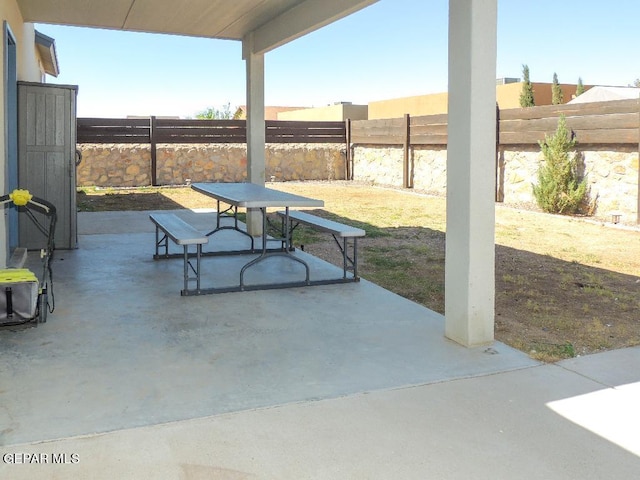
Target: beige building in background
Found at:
x=337, y=112
x=507, y=96
x=270, y=113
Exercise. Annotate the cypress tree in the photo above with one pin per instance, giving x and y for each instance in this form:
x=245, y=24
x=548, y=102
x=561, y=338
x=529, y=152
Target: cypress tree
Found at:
x=557, y=96
x=561, y=188
x=579, y=87
x=526, y=96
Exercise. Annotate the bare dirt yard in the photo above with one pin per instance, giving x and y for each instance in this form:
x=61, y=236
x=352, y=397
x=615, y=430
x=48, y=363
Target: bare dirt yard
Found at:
x=564, y=286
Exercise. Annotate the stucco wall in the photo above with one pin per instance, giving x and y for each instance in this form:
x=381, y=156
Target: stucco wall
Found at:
x=337, y=112
x=129, y=165
x=26, y=62
x=27, y=67
x=612, y=174
x=507, y=96
x=417, y=105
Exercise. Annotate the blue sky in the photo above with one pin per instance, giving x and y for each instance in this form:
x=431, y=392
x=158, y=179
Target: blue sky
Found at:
x=395, y=48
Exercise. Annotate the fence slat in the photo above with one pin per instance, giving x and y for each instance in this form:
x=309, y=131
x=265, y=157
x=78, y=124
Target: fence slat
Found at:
x=439, y=119
x=429, y=129
x=426, y=139
x=377, y=140
x=90, y=121
x=208, y=131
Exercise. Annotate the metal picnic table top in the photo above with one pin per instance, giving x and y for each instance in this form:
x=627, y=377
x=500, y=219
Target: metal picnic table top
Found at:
x=250, y=195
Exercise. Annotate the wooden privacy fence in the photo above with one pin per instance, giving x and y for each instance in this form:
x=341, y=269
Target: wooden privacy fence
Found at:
x=599, y=123
x=593, y=124
x=162, y=131
x=616, y=122
x=157, y=130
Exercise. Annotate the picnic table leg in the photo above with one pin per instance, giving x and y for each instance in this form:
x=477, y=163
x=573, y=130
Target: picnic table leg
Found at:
x=355, y=259
x=198, y=257
x=345, y=245
x=220, y=214
x=286, y=253
x=186, y=268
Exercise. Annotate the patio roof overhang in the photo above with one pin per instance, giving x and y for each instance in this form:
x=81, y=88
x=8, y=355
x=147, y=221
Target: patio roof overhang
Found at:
x=271, y=22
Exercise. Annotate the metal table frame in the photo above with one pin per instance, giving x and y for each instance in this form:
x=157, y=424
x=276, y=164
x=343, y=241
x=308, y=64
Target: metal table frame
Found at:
x=252, y=196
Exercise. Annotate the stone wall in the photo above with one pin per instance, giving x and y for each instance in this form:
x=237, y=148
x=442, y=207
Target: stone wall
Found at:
x=114, y=165
x=129, y=165
x=383, y=166
x=378, y=165
x=612, y=174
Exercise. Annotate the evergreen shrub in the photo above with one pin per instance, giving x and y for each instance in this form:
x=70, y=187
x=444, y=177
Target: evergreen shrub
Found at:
x=562, y=185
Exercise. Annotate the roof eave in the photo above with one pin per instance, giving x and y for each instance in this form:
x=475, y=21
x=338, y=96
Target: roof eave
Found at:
x=46, y=47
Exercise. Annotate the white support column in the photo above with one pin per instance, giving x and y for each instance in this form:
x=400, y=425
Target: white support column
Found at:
x=255, y=126
x=471, y=151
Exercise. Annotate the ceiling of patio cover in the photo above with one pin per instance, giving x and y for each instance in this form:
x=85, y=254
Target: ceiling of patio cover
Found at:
x=273, y=22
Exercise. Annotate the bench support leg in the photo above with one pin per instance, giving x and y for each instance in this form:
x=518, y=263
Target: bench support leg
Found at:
x=355, y=259
x=161, y=242
x=196, y=270
x=186, y=267
x=349, y=262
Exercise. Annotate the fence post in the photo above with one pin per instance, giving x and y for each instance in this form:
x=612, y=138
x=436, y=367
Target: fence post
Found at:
x=348, y=167
x=406, y=144
x=499, y=167
x=152, y=140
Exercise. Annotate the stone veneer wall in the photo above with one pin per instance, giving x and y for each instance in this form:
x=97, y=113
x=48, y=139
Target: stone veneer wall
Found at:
x=129, y=165
x=383, y=166
x=612, y=174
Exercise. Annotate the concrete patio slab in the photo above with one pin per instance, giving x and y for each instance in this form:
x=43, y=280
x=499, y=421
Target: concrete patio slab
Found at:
x=123, y=349
x=127, y=380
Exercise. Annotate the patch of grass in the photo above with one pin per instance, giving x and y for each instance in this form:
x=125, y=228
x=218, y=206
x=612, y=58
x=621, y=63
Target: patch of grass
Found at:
x=384, y=258
x=372, y=231
x=303, y=235
x=550, y=352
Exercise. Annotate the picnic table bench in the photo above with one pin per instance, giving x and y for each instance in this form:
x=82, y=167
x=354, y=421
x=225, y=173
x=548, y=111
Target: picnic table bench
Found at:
x=170, y=226
x=337, y=230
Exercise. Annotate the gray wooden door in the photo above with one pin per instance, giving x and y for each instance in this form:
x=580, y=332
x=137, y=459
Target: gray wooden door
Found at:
x=46, y=158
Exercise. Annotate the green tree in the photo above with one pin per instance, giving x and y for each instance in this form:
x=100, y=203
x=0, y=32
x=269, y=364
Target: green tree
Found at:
x=636, y=82
x=579, y=87
x=561, y=188
x=557, y=97
x=212, y=113
x=526, y=96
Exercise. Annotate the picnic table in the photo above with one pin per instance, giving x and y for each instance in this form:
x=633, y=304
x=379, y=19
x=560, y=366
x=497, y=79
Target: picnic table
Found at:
x=229, y=197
